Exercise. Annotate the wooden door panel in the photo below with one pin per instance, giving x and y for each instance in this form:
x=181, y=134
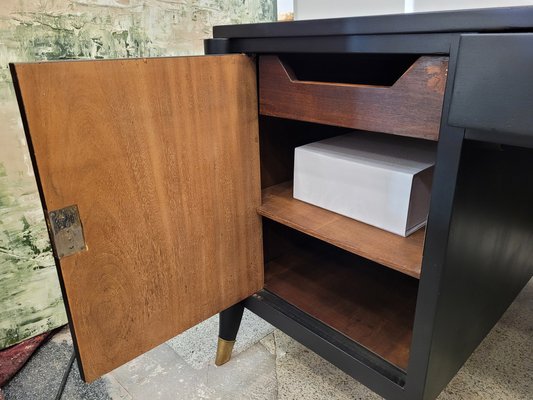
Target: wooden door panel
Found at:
x=161, y=158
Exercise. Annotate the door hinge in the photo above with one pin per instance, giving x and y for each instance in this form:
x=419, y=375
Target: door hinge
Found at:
x=67, y=232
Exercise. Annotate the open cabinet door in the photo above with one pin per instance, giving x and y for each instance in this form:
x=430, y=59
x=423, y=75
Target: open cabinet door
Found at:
x=149, y=175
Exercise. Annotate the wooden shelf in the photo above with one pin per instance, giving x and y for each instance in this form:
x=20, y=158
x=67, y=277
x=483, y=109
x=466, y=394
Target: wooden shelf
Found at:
x=368, y=303
x=393, y=251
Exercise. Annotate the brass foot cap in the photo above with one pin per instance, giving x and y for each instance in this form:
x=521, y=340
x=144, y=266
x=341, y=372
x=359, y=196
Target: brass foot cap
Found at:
x=224, y=349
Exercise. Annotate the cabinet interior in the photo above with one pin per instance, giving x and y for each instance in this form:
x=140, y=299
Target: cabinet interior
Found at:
x=370, y=304
x=360, y=280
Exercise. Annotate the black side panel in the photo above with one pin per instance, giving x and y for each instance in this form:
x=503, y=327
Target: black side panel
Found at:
x=494, y=85
x=488, y=259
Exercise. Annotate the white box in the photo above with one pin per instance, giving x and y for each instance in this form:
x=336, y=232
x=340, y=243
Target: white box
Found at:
x=381, y=180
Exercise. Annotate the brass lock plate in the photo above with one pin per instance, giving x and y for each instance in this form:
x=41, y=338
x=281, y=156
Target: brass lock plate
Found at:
x=67, y=232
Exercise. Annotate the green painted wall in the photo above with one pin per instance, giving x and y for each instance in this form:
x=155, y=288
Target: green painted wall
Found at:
x=30, y=298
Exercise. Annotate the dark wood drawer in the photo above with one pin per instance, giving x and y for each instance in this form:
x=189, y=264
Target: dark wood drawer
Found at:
x=410, y=106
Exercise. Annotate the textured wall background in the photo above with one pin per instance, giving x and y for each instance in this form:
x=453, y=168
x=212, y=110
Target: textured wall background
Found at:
x=30, y=298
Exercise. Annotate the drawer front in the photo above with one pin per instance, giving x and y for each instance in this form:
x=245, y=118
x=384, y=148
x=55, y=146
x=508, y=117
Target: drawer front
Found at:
x=493, y=90
x=410, y=106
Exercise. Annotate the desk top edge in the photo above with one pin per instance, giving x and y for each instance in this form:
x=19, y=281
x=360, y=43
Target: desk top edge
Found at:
x=501, y=19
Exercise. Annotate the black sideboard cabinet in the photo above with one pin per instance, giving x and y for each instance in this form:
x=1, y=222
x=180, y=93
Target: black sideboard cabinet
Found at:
x=166, y=185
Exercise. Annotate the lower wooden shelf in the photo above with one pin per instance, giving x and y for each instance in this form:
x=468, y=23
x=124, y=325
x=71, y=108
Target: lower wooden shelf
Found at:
x=393, y=251
x=370, y=304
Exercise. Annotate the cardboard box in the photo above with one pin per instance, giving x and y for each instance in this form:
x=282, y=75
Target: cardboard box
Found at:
x=381, y=180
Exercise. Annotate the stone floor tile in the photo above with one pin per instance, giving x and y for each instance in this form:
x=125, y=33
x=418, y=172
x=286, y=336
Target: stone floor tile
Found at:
x=161, y=374
x=115, y=390
x=270, y=343
x=250, y=375
x=302, y=374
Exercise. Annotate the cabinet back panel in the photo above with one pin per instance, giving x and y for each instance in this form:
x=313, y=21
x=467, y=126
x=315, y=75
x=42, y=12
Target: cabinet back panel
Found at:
x=161, y=158
x=278, y=138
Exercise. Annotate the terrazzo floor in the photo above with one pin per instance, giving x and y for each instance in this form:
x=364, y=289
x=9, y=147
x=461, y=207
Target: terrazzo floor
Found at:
x=268, y=365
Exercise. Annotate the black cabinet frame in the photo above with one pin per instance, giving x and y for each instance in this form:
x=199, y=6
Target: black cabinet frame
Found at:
x=478, y=252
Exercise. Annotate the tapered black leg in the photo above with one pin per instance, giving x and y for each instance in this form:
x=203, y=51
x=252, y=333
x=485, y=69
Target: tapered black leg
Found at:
x=230, y=320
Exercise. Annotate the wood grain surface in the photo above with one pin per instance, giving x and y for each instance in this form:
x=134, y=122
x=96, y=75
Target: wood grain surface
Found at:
x=368, y=303
x=393, y=251
x=161, y=157
x=278, y=137
x=412, y=106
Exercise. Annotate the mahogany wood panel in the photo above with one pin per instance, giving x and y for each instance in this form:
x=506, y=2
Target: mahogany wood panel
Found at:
x=161, y=157
x=279, y=137
x=370, y=304
x=393, y=251
x=412, y=106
